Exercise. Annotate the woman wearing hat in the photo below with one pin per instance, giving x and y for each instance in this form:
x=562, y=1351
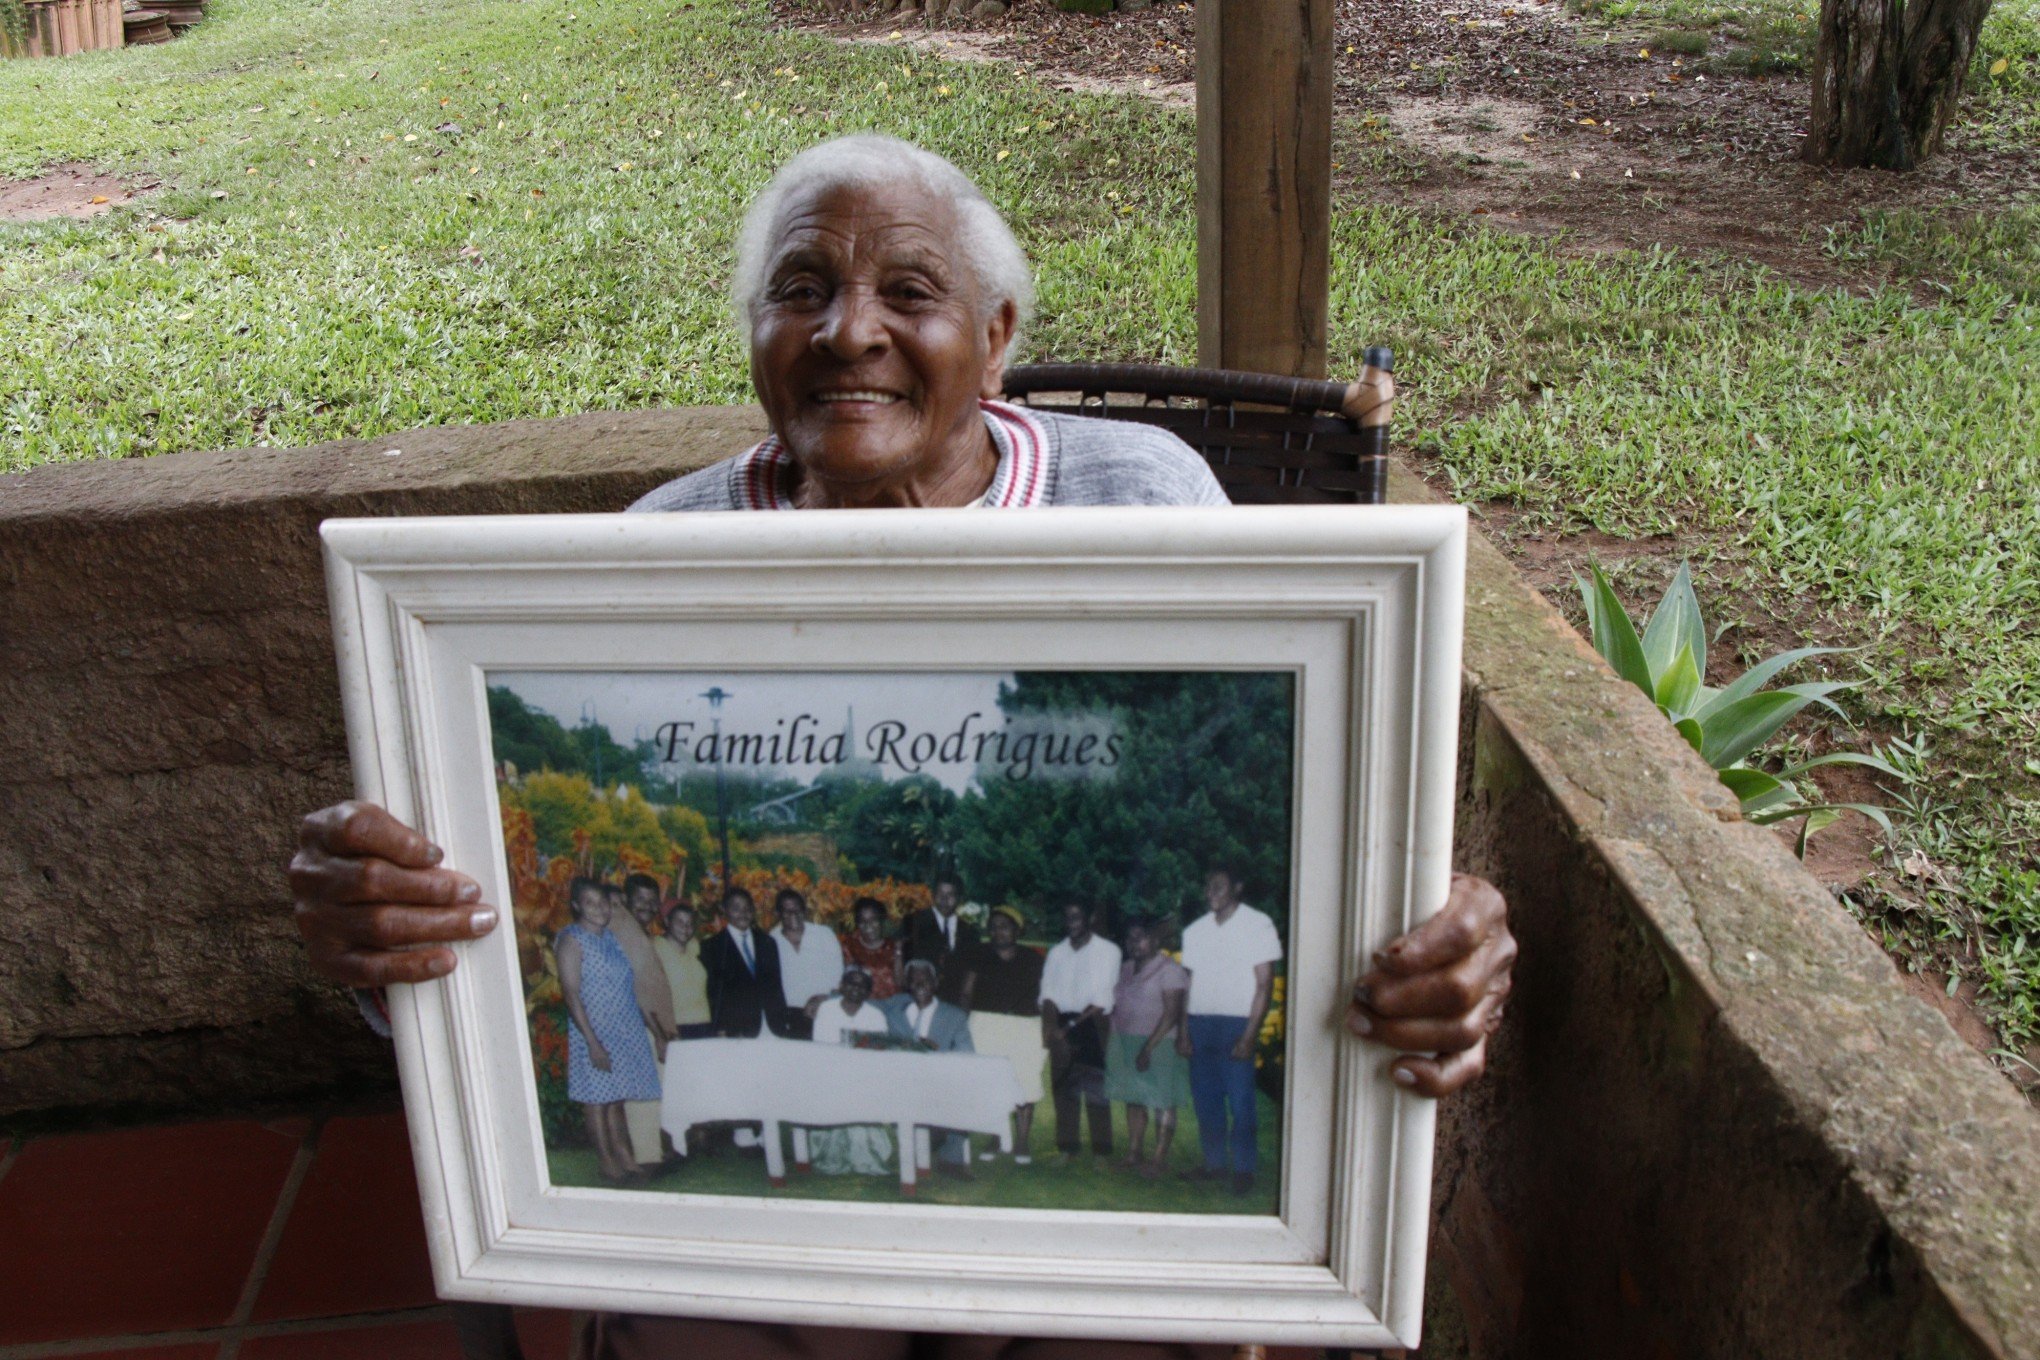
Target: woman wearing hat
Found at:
x=1002, y=991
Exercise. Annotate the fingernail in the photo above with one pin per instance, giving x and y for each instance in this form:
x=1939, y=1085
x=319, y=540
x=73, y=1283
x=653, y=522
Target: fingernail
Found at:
x=470, y=891
x=483, y=921
x=1403, y=1076
x=439, y=965
x=434, y=853
x=1359, y=1023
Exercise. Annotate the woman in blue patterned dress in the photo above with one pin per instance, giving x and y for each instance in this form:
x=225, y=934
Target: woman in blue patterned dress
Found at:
x=609, y=1057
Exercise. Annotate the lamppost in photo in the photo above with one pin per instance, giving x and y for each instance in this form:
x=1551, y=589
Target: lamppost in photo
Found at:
x=589, y=721
x=715, y=695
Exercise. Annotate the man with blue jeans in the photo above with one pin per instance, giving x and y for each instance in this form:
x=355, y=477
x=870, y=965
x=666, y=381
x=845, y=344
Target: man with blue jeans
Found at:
x=1231, y=952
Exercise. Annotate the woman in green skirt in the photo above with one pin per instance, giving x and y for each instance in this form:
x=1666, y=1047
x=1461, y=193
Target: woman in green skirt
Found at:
x=1142, y=1066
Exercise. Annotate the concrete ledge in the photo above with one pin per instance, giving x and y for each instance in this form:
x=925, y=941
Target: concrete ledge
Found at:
x=167, y=701
x=1715, y=1124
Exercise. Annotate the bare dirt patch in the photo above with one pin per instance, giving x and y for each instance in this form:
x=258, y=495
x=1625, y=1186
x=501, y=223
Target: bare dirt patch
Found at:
x=73, y=191
x=1520, y=113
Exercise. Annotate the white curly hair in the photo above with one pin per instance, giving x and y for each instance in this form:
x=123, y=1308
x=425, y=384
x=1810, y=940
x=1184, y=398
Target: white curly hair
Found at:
x=868, y=160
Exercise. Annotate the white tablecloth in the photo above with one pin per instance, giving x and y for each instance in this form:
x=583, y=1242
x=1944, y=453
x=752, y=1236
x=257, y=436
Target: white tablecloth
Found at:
x=791, y=1081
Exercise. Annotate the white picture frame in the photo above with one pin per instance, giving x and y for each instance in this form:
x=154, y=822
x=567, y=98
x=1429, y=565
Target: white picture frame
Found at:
x=1364, y=604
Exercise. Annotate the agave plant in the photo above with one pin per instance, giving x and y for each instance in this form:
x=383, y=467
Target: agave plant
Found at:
x=1728, y=726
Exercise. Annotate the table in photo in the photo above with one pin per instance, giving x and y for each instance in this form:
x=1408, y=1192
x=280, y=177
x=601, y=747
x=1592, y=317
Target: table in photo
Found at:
x=807, y=1085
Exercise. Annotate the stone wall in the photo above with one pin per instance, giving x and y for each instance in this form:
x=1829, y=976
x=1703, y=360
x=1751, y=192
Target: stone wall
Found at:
x=1715, y=1124
x=168, y=702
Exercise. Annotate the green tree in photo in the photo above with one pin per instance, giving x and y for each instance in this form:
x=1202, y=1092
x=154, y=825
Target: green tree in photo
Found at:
x=1204, y=779
x=534, y=740
x=899, y=829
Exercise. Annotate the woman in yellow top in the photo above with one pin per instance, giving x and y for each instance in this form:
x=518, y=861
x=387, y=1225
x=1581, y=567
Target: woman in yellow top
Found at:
x=679, y=955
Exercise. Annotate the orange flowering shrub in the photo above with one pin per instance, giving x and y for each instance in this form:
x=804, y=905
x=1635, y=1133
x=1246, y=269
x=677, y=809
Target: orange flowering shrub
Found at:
x=829, y=899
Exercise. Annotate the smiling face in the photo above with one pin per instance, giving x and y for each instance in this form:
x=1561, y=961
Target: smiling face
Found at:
x=1140, y=942
x=871, y=925
x=921, y=984
x=945, y=897
x=856, y=989
x=870, y=347
x=680, y=925
x=1002, y=930
x=740, y=911
x=592, y=909
x=1076, y=921
x=644, y=904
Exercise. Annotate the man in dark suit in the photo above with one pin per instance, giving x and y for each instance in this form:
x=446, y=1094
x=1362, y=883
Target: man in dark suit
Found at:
x=745, y=994
x=943, y=938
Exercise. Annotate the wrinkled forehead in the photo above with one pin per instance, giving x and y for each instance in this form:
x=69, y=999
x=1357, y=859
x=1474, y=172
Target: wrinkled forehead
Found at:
x=847, y=226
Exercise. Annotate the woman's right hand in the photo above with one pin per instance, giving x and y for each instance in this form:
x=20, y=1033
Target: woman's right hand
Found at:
x=372, y=903
x=599, y=1055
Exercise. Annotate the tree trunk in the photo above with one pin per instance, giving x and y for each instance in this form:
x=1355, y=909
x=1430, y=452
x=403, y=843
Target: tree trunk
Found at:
x=1887, y=76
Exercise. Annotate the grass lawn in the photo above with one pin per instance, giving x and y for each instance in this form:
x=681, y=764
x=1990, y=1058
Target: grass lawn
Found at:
x=378, y=215
x=1084, y=1182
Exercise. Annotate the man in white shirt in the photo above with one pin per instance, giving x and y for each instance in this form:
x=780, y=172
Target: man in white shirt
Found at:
x=810, y=962
x=1076, y=997
x=1231, y=953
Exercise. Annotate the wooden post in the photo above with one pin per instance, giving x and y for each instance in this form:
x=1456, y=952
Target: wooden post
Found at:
x=1264, y=184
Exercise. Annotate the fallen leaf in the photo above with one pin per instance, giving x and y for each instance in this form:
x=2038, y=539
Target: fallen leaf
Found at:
x=410, y=136
x=1644, y=53
x=1588, y=121
x=219, y=193
x=2000, y=66
x=1575, y=174
x=538, y=193
x=101, y=198
x=1002, y=155
x=186, y=316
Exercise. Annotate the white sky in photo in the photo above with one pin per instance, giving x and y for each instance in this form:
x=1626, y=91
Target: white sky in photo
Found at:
x=634, y=705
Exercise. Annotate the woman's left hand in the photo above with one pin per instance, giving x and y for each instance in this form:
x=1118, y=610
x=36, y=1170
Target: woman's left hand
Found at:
x=1437, y=993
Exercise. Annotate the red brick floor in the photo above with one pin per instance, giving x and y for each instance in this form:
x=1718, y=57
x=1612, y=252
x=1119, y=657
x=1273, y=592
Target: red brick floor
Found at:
x=291, y=1239
x=294, y=1239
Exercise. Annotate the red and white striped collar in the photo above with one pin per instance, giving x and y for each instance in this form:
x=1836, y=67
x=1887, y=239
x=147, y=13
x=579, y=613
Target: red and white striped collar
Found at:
x=763, y=476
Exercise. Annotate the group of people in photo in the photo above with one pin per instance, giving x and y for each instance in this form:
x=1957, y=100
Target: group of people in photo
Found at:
x=1089, y=1023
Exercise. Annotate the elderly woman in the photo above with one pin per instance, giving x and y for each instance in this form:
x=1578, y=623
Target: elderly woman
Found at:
x=882, y=293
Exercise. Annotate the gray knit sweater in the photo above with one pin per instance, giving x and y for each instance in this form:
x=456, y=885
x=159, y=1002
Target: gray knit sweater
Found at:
x=1081, y=461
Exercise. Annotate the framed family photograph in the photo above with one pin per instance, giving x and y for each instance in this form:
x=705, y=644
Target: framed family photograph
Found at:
x=928, y=919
